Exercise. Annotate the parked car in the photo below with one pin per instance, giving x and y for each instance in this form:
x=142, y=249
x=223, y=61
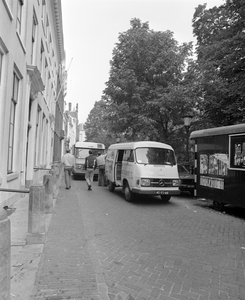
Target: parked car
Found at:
x=187, y=181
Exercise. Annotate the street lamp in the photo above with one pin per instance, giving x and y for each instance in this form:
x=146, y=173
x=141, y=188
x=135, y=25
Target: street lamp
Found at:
x=187, y=123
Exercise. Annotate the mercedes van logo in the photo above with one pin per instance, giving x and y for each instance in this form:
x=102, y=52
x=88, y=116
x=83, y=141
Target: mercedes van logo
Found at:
x=161, y=182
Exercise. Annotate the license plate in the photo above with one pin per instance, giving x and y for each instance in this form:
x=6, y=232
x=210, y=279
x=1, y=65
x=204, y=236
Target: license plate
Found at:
x=162, y=193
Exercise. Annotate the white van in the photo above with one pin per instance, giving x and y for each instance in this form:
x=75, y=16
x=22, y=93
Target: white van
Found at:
x=142, y=168
x=81, y=150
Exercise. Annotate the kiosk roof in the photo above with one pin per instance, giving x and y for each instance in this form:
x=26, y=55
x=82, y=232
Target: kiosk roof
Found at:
x=232, y=129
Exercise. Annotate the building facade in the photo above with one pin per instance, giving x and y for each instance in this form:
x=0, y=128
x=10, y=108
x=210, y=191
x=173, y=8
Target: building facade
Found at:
x=82, y=135
x=71, y=126
x=32, y=60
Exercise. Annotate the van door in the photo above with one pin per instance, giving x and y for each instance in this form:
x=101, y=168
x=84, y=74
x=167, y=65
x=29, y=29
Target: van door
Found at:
x=128, y=166
x=118, y=166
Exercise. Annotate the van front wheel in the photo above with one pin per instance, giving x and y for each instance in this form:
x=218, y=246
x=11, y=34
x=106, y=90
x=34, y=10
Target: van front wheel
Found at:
x=165, y=198
x=111, y=186
x=128, y=195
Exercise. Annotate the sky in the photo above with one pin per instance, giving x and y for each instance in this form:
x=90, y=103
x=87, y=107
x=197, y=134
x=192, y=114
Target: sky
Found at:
x=91, y=29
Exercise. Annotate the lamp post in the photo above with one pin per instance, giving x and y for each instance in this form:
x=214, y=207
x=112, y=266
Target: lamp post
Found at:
x=187, y=123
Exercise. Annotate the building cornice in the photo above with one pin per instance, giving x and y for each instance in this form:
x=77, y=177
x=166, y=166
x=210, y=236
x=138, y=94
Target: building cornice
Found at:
x=35, y=79
x=59, y=28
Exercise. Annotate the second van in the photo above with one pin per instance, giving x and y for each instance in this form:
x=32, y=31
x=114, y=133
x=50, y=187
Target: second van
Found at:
x=144, y=167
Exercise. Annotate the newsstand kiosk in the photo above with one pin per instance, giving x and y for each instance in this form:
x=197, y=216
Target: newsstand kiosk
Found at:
x=220, y=165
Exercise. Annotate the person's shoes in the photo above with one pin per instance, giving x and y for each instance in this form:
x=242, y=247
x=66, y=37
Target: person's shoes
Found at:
x=67, y=188
x=89, y=188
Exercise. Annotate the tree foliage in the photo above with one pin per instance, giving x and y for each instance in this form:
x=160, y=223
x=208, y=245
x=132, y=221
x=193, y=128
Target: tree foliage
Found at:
x=220, y=33
x=148, y=88
x=96, y=127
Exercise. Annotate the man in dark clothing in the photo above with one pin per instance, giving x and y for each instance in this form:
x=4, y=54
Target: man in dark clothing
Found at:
x=90, y=166
x=101, y=165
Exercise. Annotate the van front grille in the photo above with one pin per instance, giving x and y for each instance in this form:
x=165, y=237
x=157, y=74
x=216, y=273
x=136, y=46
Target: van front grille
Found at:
x=156, y=182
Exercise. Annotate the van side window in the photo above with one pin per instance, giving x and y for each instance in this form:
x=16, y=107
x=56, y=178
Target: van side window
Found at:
x=131, y=156
x=128, y=155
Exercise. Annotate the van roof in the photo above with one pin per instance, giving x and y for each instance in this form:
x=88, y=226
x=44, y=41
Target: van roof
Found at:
x=133, y=145
x=89, y=145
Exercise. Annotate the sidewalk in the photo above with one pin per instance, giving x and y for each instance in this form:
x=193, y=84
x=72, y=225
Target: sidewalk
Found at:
x=99, y=248
x=66, y=266
x=24, y=258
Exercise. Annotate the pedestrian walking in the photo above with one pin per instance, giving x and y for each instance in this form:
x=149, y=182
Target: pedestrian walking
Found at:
x=90, y=166
x=68, y=161
x=101, y=165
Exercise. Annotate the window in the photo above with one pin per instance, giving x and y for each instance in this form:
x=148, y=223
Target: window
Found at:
x=44, y=19
x=14, y=100
x=156, y=156
x=237, y=152
x=38, y=134
x=19, y=15
x=3, y=59
x=49, y=43
x=45, y=73
x=33, y=37
x=42, y=140
x=1, y=65
x=41, y=58
x=47, y=88
x=43, y=8
x=45, y=137
x=128, y=155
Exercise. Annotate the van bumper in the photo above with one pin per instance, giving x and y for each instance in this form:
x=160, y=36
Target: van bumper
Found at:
x=156, y=192
x=83, y=171
x=78, y=171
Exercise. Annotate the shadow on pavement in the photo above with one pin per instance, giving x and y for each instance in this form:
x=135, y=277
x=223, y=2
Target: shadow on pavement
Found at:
x=230, y=210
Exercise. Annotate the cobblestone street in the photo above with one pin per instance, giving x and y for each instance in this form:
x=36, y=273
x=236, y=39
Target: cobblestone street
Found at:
x=101, y=247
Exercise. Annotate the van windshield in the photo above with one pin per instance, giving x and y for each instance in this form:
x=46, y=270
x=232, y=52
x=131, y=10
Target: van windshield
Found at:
x=83, y=152
x=156, y=156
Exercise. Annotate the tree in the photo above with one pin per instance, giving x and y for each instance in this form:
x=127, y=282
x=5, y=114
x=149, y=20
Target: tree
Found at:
x=220, y=33
x=96, y=127
x=147, y=91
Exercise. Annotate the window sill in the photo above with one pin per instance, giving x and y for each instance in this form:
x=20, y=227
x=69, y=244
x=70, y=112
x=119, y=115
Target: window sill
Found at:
x=12, y=176
x=21, y=43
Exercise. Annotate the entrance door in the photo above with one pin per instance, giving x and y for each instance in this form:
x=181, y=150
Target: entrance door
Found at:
x=118, y=167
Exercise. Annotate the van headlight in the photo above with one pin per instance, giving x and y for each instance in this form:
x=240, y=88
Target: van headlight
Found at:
x=145, y=182
x=176, y=182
